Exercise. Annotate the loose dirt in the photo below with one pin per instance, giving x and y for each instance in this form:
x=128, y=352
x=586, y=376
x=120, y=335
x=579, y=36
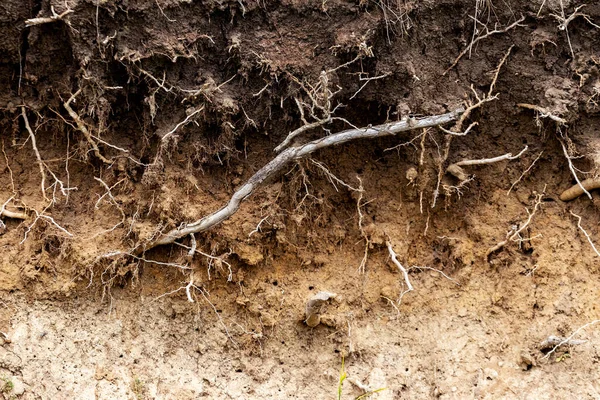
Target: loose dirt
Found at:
x=185, y=101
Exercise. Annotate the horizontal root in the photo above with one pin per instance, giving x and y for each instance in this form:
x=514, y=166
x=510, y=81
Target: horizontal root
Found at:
x=290, y=154
x=580, y=188
x=13, y=214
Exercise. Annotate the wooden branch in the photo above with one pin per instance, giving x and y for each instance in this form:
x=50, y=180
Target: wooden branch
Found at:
x=272, y=168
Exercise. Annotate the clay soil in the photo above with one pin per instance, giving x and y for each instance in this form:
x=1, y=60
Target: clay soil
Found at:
x=149, y=114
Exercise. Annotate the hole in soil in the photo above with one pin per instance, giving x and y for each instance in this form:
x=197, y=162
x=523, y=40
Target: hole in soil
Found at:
x=275, y=283
x=311, y=287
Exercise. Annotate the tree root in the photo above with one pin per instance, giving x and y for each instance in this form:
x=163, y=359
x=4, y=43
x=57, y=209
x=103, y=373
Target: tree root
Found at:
x=578, y=189
x=272, y=168
x=13, y=214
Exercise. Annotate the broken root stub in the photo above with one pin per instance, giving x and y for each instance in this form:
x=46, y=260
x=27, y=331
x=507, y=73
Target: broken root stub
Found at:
x=577, y=190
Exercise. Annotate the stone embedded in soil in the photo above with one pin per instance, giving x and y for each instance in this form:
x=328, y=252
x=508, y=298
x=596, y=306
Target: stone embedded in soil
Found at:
x=313, y=308
x=526, y=361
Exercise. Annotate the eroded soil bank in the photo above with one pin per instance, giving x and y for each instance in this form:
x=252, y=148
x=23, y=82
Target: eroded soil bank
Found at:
x=122, y=121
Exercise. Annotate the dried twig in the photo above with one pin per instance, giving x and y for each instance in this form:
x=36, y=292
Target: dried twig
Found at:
x=294, y=153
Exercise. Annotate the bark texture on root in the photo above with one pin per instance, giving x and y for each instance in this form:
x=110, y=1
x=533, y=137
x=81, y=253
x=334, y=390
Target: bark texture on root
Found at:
x=275, y=166
x=577, y=190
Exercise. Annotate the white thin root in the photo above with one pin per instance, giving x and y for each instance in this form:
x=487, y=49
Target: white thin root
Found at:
x=400, y=267
x=128, y=254
x=568, y=339
x=367, y=80
x=563, y=22
x=552, y=341
x=47, y=218
x=449, y=132
x=507, y=156
x=572, y=169
x=515, y=234
x=543, y=113
x=363, y=262
x=587, y=236
x=456, y=170
x=83, y=128
x=193, y=245
x=113, y=201
x=487, y=34
x=36, y=151
x=524, y=173
x=167, y=135
x=188, y=289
